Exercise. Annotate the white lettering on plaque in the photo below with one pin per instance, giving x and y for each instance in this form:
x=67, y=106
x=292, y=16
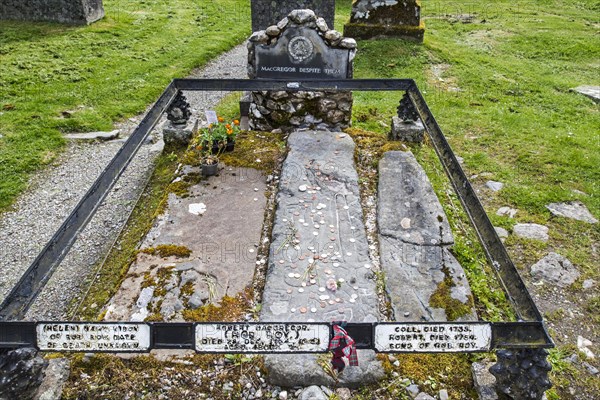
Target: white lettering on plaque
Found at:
x=121, y=338
x=428, y=338
x=262, y=338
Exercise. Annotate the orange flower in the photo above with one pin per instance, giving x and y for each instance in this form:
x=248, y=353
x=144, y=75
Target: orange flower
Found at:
x=220, y=119
x=236, y=122
x=228, y=126
x=229, y=131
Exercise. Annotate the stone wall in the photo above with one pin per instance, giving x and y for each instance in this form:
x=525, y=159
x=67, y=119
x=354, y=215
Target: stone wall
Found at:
x=269, y=12
x=292, y=110
x=77, y=12
x=385, y=18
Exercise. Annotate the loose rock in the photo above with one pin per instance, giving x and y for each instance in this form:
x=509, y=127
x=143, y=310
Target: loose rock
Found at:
x=574, y=210
x=555, y=269
x=495, y=186
x=531, y=231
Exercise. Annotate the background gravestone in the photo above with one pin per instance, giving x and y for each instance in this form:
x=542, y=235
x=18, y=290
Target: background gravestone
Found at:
x=300, y=46
x=269, y=12
x=77, y=12
x=385, y=18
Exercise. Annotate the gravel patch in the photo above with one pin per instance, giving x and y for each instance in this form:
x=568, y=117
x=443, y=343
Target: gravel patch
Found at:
x=56, y=190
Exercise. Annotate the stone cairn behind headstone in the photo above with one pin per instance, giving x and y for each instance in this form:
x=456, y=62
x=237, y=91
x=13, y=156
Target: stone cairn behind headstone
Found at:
x=76, y=12
x=385, y=18
x=300, y=46
x=266, y=12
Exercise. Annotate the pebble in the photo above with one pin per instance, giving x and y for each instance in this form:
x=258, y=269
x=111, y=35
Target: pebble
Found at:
x=302, y=188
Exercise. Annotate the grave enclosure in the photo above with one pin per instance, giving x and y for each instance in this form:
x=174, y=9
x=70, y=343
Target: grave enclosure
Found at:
x=282, y=333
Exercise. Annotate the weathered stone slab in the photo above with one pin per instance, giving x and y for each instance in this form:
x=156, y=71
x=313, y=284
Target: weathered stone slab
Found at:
x=408, y=209
x=94, y=135
x=574, y=210
x=413, y=237
x=55, y=377
x=485, y=382
x=223, y=242
x=78, y=12
x=593, y=92
x=269, y=12
x=319, y=265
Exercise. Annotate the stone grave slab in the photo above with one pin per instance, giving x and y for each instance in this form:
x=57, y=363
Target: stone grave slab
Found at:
x=223, y=239
x=319, y=264
x=414, y=236
x=385, y=18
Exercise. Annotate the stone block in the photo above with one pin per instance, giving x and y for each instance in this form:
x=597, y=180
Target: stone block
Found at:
x=178, y=134
x=412, y=131
x=76, y=12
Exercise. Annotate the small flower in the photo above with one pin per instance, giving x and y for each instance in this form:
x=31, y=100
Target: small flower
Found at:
x=228, y=126
x=331, y=284
x=210, y=126
x=220, y=119
x=236, y=122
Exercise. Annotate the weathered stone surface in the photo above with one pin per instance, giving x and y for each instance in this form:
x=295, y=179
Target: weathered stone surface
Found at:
x=574, y=210
x=484, y=381
x=374, y=18
x=531, y=231
x=407, y=131
x=55, y=378
x=502, y=233
x=593, y=92
x=94, y=135
x=222, y=240
x=312, y=393
x=555, y=269
x=269, y=12
x=178, y=135
x=506, y=211
x=21, y=373
x=77, y=12
x=424, y=396
x=495, y=186
x=408, y=209
x=413, y=235
x=319, y=265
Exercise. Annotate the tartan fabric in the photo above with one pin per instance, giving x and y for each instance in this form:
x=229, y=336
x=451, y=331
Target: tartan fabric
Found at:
x=349, y=349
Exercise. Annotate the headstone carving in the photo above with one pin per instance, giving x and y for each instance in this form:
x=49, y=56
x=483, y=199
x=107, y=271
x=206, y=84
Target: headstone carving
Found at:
x=76, y=12
x=300, y=46
x=386, y=18
x=268, y=12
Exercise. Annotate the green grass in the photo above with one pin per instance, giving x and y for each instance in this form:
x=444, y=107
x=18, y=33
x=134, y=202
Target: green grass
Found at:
x=56, y=79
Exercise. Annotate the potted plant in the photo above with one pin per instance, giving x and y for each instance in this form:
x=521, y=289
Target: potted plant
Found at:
x=209, y=164
x=221, y=136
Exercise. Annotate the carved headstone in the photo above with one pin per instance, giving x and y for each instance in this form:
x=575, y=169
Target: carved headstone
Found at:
x=300, y=46
x=269, y=12
x=76, y=12
x=385, y=18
